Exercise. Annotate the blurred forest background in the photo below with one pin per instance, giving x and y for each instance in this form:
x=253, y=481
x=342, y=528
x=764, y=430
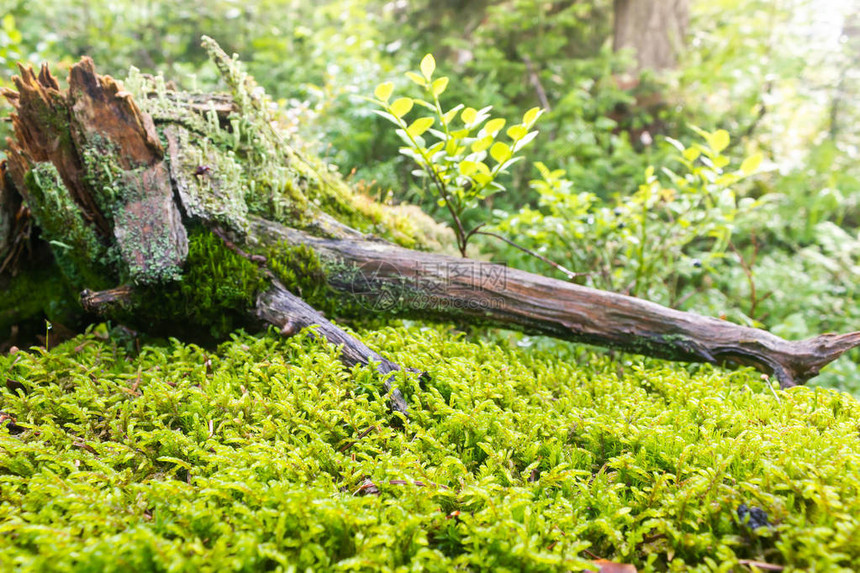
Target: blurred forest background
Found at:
x=701, y=154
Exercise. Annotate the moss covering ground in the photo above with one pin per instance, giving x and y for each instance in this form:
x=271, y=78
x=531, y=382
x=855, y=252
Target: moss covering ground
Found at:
x=268, y=454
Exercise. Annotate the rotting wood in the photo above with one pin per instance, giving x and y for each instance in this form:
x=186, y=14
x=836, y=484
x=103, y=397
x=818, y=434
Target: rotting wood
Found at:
x=157, y=197
x=449, y=287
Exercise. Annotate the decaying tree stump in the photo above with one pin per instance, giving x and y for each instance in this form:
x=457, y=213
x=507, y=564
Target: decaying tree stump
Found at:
x=180, y=210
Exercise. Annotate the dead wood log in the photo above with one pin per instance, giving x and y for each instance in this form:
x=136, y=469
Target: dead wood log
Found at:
x=279, y=306
x=119, y=187
x=390, y=278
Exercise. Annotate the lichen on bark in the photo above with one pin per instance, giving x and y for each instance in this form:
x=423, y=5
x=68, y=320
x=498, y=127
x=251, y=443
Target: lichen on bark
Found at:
x=113, y=172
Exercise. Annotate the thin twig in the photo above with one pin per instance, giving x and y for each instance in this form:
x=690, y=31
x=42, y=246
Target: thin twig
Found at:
x=535, y=81
x=747, y=268
x=570, y=274
x=348, y=445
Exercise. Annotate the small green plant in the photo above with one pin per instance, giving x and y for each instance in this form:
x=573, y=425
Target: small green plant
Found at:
x=660, y=242
x=465, y=161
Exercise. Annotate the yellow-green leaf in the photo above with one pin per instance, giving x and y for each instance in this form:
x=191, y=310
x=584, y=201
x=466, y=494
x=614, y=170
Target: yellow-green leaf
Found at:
x=751, y=164
x=726, y=179
x=719, y=140
x=516, y=132
x=531, y=116
x=482, y=178
x=500, y=152
x=428, y=66
x=469, y=114
x=720, y=161
x=181, y=463
x=420, y=125
x=449, y=115
x=383, y=91
x=401, y=106
x=467, y=168
x=416, y=78
x=691, y=153
x=494, y=126
x=482, y=144
x=439, y=86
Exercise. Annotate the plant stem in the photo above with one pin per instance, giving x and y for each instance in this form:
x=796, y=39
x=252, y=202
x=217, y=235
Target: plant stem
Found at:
x=440, y=185
x=570, y=274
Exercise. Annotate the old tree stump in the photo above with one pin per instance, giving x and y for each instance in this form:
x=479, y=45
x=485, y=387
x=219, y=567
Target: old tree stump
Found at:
x=190, y=213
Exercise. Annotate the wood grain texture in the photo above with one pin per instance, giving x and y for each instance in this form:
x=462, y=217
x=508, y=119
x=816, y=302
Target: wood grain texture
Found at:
x=447, y=287
x=43, y=134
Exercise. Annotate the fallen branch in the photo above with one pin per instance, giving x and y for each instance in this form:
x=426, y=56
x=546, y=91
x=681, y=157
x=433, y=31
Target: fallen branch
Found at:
x=449, y=287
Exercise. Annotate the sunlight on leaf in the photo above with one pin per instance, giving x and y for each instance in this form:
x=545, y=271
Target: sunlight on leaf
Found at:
x=420, y=125
x=401, y=106
x=439, y=86
x=383, y=91
x=751, y=164
x=428, y=66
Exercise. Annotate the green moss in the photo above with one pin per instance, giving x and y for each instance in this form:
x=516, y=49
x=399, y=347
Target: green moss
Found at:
x=338, y=289
x=212, y=297
x=251, y=167
x=277, y=178
x=37, y=294
x=79, y=253
x=104, y=178
x=52, y=112
x=302, y=272
x=261, y=454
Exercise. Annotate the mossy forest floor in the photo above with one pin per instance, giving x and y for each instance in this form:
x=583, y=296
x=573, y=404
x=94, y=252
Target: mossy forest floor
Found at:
x=268, y=454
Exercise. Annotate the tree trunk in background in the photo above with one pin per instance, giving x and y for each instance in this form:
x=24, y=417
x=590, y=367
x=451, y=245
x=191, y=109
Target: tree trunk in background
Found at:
x=845, y=89
x=654, y=29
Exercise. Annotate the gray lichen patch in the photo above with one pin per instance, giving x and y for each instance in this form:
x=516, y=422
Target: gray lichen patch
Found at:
x=228, y=160
x=138, y=202
x=209, y=181
x=148, y=228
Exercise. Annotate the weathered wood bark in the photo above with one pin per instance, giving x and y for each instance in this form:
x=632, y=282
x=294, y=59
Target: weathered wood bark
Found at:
x=279, y=306
x=446, y=287
x=133, y=214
